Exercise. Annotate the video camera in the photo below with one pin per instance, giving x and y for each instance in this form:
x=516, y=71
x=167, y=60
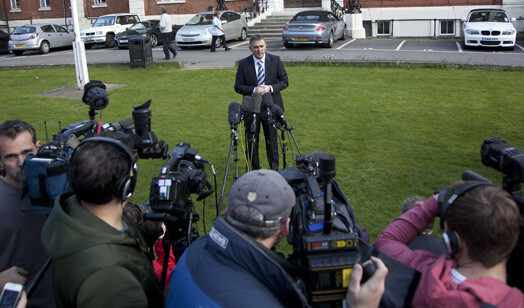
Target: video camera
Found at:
x=509, y=160
x=47, y=171
x=323, y=230
x=183, y=174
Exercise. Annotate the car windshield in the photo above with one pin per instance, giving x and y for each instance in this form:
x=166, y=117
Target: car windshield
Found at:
x=201, y=19
x=104, y=21
x=488, y=16
x=24, y=30
x=139, y=26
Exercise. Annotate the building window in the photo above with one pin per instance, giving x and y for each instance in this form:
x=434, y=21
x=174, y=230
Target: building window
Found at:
x=15, y=4
x=447, y=27
x=44, y=4
x=383, y=27
x=100, y=2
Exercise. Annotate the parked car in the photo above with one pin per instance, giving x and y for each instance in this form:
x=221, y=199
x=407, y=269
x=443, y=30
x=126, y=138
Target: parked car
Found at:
x=313, y=28
x=146, y=28
x=105, y=29
x=4, y=39
x=40, y=37
x=489, y=28
x=196, y=32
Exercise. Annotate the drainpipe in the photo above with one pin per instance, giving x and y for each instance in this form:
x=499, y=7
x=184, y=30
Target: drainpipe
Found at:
x=6, y=17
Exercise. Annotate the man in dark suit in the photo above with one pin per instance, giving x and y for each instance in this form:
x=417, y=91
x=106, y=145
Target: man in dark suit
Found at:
x=258, y=74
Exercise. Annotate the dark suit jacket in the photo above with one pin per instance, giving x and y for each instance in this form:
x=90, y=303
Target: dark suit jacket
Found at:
x=276, y=77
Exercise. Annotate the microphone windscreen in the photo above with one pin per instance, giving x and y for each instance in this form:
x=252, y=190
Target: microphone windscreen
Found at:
x=263, y=110
x=267, y=99
x=278, y=111
x=233, y=115
x=257, y=102
x=247, y=103
x=123, y=123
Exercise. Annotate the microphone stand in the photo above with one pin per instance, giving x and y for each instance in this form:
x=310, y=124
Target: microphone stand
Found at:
x=232, y=147
x=252, y=133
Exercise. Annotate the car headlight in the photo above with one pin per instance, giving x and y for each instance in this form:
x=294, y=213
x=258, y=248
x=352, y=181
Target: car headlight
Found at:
x=472, y=31
x=206, y=31
x=508, y=32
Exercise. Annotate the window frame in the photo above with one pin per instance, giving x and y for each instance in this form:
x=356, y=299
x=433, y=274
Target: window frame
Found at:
x=382, y=23
x=44, y=4
x=446, y=23
x=15, y=5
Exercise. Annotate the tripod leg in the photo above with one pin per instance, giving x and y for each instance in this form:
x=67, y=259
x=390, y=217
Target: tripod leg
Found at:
x=284, y=148
x=219, y=207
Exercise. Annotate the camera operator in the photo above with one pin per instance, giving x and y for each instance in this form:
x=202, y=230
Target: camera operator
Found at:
x=480, y=224
x=234, y=266
x=22, y=254
x=425, y=240
x=100, y=257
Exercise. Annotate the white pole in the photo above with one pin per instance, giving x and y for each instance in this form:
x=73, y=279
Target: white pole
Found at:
x=82, y=75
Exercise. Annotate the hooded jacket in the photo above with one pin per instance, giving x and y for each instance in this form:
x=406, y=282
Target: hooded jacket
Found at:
x=227, y=268
x=95, y=265
x=436, y=288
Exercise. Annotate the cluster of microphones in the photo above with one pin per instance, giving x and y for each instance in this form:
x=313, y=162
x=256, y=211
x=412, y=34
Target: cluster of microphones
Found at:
x=254, y=107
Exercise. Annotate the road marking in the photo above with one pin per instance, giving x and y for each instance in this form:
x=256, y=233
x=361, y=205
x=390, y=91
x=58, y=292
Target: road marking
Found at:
x=400, y=45
x=459, y=47
x=522, y=48
x=347, y=43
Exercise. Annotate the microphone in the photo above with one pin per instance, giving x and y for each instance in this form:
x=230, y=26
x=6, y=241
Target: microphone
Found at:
x=247, y=104
x=251, y=109
x=266, y=109
x=234, y=115
x=280, y=115
x=257, y=101
x=122, y=124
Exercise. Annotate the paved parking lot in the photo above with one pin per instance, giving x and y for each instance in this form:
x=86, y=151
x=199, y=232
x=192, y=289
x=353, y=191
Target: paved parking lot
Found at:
x=419, y=51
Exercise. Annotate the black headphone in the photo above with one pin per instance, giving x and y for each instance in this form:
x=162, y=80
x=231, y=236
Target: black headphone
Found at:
x=127, y=184
x=451, y=241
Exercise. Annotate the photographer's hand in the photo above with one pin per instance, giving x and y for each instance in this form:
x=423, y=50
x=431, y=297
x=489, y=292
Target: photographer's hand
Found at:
x=368, y=294
x=13, y=274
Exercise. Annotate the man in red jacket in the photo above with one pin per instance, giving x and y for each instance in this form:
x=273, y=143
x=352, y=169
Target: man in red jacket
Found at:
x=481, y=224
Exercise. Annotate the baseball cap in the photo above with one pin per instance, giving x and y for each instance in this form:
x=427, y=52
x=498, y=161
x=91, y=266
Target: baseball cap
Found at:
x=260, y=198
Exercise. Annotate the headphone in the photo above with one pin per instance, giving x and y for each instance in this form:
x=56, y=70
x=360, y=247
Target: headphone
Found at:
x=127, y=184
x=451, y=241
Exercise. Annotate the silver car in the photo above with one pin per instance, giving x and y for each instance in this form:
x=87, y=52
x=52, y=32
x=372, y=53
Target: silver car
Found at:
x=313, y=28
x=196, y=32
x=40, y=37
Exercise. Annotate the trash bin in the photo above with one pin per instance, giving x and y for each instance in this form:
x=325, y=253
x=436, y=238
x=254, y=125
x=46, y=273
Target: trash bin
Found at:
x=140, y=52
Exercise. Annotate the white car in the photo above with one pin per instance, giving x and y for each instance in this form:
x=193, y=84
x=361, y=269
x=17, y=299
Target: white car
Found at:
x=489, y=28
x=105, y=29
x=196, y=32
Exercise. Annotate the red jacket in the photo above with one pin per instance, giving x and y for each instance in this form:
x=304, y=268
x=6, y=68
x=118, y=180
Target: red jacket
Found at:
x=159, y=262
x=436, y=289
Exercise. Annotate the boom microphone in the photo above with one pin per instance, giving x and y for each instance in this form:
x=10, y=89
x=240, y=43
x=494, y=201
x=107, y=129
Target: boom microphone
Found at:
x=234, y=115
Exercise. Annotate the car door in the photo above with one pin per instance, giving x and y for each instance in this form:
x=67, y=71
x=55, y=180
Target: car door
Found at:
x=65, y=38
x=333, y=20
x=227, y=25
x=49, y=34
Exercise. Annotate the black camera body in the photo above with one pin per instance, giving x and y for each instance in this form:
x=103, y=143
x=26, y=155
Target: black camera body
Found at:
x=170, y=195
x=323, y=231
x=47, y=171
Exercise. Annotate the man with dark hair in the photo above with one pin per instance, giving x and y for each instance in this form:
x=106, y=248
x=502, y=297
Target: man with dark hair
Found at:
x=100, y=258
x=258, y=74
x=481, y=223
x=235, y=266
x=425, y=240
x=21, y=253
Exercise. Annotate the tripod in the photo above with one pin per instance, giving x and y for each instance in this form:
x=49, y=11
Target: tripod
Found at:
x=285, y=127
x=232, y=147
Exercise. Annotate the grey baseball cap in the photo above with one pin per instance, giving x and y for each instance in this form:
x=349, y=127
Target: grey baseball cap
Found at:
x=264, y=196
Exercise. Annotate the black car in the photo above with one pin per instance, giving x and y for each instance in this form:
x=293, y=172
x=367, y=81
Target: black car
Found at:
x=146, y=28
x=4, y=39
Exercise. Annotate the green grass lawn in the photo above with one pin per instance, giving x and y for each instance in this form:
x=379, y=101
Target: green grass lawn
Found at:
x=394, y=131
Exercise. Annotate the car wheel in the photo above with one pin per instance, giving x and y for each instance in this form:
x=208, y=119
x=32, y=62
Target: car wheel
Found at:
x=18, y=52
x=330, y=41
x=44, y=47
x=218, y=42
x=243, y=34
x=154, y=40
x=510, y=48
x=288, y=45
x=88, y=46
x=110, y=41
